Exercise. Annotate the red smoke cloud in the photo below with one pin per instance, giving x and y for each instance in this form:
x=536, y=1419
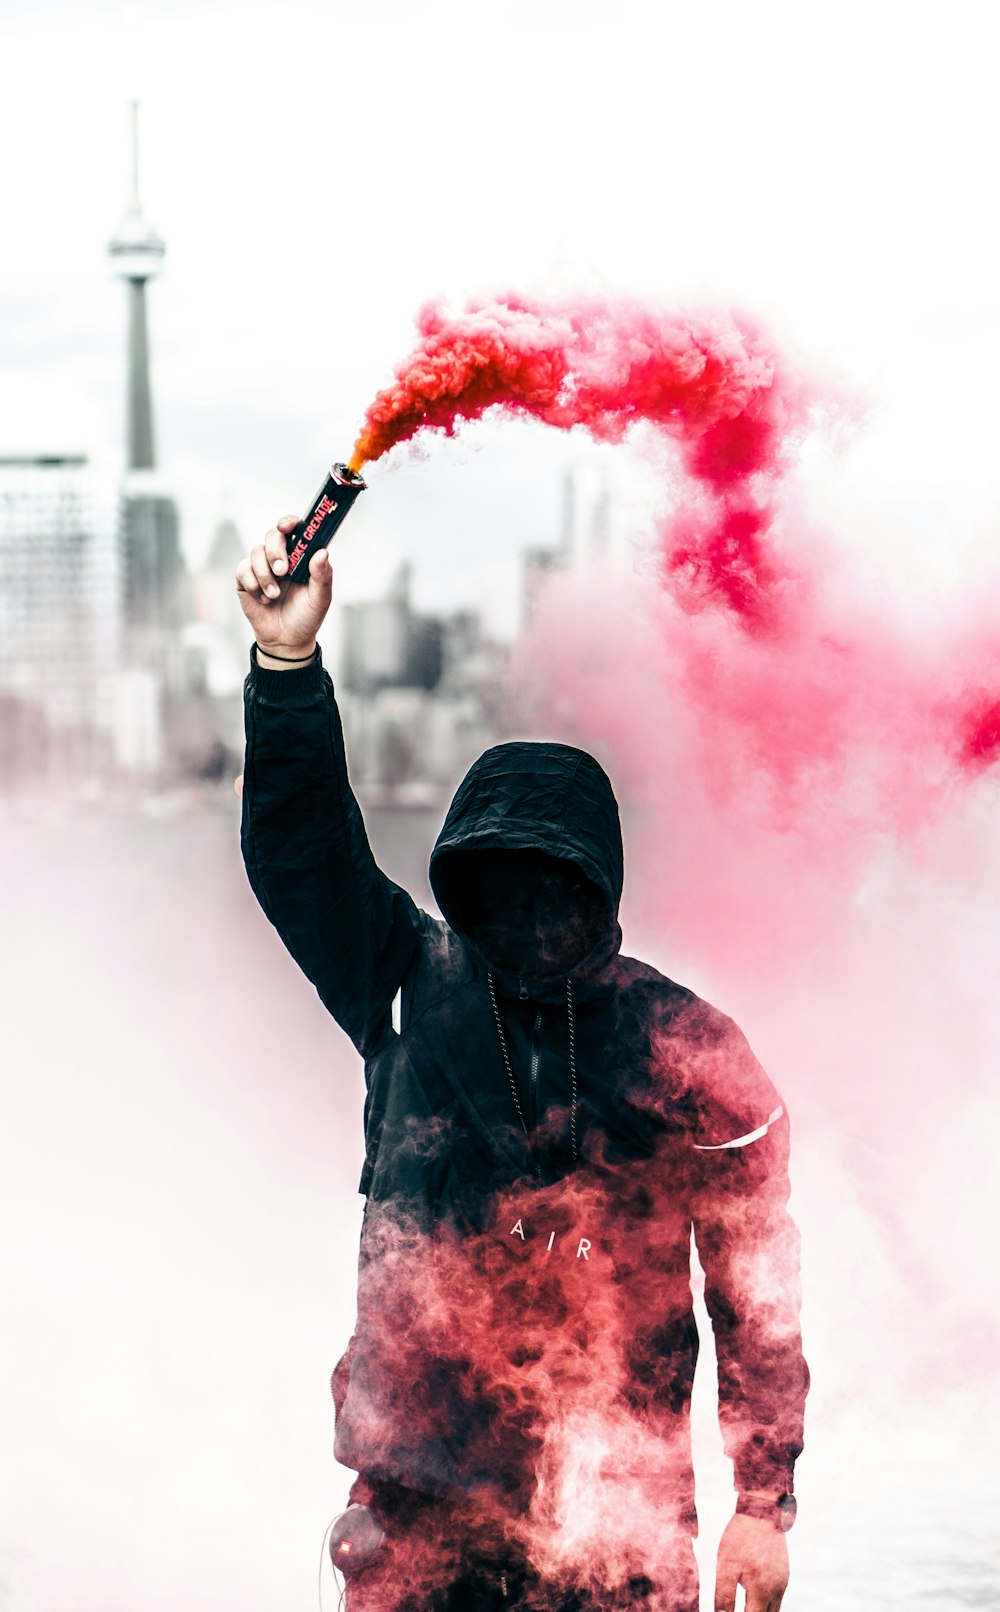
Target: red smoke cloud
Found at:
x=716, y=387
x=711, y=381
x=557, y=1336
x=714, y=384
x=775, y=733
x=812, y=782
x=980, y=732
x=811, y=843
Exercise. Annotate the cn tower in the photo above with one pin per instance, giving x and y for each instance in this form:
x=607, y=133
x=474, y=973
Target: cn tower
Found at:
x=153, y=570
x=136, y=253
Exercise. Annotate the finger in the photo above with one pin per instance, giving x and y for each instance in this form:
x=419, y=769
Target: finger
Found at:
x=238, y=784
x=726, y=1579
x=286, y=523
x=276, y=550
x=262, y=571
x=320, y=578
x=246, y=581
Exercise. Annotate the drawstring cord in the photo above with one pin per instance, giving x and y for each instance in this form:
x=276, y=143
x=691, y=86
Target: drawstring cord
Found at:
x=572, y=1063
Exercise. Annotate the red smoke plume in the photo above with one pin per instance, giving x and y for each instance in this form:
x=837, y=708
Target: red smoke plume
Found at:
x=712, y=383
x=716, y=387
x=980, y=732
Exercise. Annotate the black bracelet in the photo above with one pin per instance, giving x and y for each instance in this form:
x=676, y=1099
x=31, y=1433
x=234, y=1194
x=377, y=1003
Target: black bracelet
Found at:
x=293, y=660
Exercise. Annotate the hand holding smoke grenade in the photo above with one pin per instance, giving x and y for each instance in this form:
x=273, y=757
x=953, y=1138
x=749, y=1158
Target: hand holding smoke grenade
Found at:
x=324, y=515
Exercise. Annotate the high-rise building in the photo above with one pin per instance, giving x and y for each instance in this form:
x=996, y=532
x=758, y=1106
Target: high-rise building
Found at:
x=539, y=563
x=205, y=722
x=600, y=522
x=154, y=584
x=386, y=645
x=60, y=619
x=419, y=695
x=589, y=533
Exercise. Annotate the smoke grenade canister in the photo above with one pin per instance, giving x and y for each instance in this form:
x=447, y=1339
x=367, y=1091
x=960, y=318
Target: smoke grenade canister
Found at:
x=321, y=520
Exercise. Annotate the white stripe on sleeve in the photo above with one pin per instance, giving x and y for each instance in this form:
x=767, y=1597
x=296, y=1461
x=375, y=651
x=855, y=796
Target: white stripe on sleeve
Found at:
x=742, y=1141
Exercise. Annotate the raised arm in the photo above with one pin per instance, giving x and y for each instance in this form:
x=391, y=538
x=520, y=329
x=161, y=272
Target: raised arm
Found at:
x=352, y=931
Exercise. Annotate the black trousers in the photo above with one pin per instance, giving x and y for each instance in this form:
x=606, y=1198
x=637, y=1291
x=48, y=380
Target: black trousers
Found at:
x=439, y=1557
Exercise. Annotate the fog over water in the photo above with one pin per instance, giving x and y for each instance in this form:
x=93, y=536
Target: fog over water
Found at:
x=180, y=1154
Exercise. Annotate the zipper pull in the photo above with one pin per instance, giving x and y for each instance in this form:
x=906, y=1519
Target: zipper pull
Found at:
x=522, y=990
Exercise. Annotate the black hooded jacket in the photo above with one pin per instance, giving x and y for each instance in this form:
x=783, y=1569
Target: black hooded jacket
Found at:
x=514, y=1280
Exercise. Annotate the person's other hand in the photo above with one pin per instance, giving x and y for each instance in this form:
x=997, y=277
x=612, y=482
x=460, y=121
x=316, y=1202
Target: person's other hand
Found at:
x=283, y=614
x=753, y=1553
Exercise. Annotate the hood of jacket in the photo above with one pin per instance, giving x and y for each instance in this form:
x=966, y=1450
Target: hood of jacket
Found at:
x=535, y=796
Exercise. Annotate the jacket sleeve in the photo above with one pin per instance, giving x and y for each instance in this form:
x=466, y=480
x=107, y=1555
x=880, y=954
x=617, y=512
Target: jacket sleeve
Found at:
x=749, y=1249
x=352, y=931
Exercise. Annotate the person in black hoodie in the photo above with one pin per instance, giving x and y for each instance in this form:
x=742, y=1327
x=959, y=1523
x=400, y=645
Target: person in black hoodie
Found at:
x=546, y=1124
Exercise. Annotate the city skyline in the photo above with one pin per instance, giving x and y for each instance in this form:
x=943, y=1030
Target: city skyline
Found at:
x=118, y=661
x=156, y=546
x=267, y=354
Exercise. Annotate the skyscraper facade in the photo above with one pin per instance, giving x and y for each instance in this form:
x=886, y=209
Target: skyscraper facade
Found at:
x=60, y=615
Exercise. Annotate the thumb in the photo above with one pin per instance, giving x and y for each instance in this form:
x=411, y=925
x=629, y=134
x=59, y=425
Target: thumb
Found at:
x=727, y=1576
x=320, y=580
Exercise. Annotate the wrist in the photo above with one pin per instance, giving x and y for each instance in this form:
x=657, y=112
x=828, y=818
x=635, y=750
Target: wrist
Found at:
x=285, y=657
x=777, y=1507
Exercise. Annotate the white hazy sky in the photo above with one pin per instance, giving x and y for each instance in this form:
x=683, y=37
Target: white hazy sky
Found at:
x=318, y=170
